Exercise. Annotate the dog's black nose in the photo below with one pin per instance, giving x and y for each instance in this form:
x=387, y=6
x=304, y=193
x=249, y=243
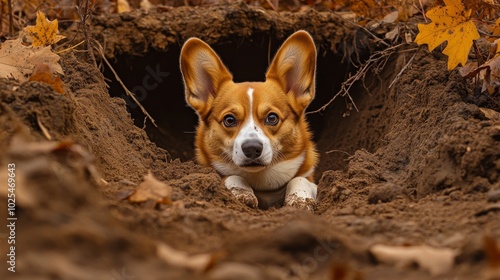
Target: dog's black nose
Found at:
x=252, y=149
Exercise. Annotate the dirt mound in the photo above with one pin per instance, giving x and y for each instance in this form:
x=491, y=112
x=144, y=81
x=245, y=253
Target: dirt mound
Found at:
x=422, y=165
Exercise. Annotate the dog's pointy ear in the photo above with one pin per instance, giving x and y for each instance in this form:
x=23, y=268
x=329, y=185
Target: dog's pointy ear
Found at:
x=203, y=73
x=294, y=68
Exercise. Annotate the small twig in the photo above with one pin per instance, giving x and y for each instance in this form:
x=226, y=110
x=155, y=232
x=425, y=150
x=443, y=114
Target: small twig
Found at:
x=404, y=68
x=11, y=20
x=422, y=10
x=379, y=40
x=44, y=130
x=337, y=151
x=144, y=123
x=479, y=56
x=274, y=7
x=129, y=93
x=84, y=16
x=70, y=48
x=1, y=17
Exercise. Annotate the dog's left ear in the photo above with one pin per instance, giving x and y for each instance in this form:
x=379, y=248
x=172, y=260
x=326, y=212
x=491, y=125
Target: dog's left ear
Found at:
x=203, y=74
x=294, y=68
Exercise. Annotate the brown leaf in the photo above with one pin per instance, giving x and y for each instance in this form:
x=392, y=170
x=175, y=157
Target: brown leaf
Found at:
x=123, y=6
x=43, y=74
x=491, y=80
x=490, y=114
x=437, y=261
x=18, y=61
x=366, y=8
x=198, y=262
x=492, y=249
x=152, y=190
x=470, y=69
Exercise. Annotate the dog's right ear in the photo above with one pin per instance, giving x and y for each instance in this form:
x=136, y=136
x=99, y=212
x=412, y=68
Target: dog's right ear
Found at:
x=203, y=73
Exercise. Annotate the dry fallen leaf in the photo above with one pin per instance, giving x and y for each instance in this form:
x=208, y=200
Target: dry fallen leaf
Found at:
x=122, y=6
x=23, y=152
x=146, y=5
x=490, y=114
x=449, y=23
x=152, y=190
x=44, y=33
x=491, y=81
x=365, y=8
x=436, y=261
x=492, y=249
x=18, y=61
x=495, y=32
x=44, y=74
x=198, y=262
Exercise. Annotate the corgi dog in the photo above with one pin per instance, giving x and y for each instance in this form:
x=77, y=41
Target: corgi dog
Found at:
x=255, y=134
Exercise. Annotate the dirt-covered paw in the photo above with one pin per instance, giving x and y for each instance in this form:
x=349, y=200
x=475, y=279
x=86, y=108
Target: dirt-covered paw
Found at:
x=246, y=197
x=301, y=203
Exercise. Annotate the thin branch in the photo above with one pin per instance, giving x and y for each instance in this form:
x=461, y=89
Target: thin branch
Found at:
x=404, y=68
x=378, y=40
x=11, y=20
x=1, y=17
x=129, y=93
x=270, y=3
x=70, y=48
x=85, y=13
x=337, y=151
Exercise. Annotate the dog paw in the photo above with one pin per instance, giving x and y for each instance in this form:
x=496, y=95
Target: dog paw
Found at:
x=301, y=203
x=301, y=193
x=246, y=197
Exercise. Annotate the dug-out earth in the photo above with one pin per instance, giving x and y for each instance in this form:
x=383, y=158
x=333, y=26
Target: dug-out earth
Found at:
x=410, y=159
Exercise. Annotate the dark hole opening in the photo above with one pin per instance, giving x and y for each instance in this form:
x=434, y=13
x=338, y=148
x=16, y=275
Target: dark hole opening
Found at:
x=156, y=80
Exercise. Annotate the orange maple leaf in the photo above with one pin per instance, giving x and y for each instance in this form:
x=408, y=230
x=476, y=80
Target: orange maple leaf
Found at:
x=449, y=23
x=44, y=33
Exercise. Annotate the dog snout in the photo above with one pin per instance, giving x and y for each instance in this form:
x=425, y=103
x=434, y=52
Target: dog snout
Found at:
x=252, y=148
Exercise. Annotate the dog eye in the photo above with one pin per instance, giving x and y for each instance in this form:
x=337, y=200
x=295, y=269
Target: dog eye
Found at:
x=272, y=119
x=229, y=121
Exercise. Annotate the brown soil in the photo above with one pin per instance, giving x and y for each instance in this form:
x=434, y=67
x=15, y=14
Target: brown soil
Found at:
x=419, y=164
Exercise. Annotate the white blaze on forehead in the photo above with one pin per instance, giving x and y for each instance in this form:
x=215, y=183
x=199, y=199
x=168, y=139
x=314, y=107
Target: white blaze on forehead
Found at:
x=250, y=98
x=251, y=130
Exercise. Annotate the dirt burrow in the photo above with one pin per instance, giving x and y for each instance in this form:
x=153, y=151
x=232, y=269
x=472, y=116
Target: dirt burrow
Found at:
x=422, y=167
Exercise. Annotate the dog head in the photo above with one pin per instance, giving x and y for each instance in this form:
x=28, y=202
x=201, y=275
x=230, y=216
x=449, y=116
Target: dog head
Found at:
x=251, y=126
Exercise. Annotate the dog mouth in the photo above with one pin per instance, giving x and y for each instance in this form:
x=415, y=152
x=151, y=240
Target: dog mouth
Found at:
x=253, y=166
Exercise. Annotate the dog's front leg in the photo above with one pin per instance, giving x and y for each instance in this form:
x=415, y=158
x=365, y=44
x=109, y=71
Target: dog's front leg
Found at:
x=241, y=190
x=301, y=193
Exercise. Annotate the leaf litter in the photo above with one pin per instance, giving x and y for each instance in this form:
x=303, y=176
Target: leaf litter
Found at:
x=19, y=61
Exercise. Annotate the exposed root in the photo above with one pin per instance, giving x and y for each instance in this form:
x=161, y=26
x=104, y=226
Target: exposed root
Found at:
x=404, y=68
x=375, y=63
x=85, y=11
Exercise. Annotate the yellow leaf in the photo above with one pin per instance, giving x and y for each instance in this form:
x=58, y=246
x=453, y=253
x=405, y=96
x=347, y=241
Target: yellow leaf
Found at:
x=496, y=28
x=44, y=33
x=449, y=23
